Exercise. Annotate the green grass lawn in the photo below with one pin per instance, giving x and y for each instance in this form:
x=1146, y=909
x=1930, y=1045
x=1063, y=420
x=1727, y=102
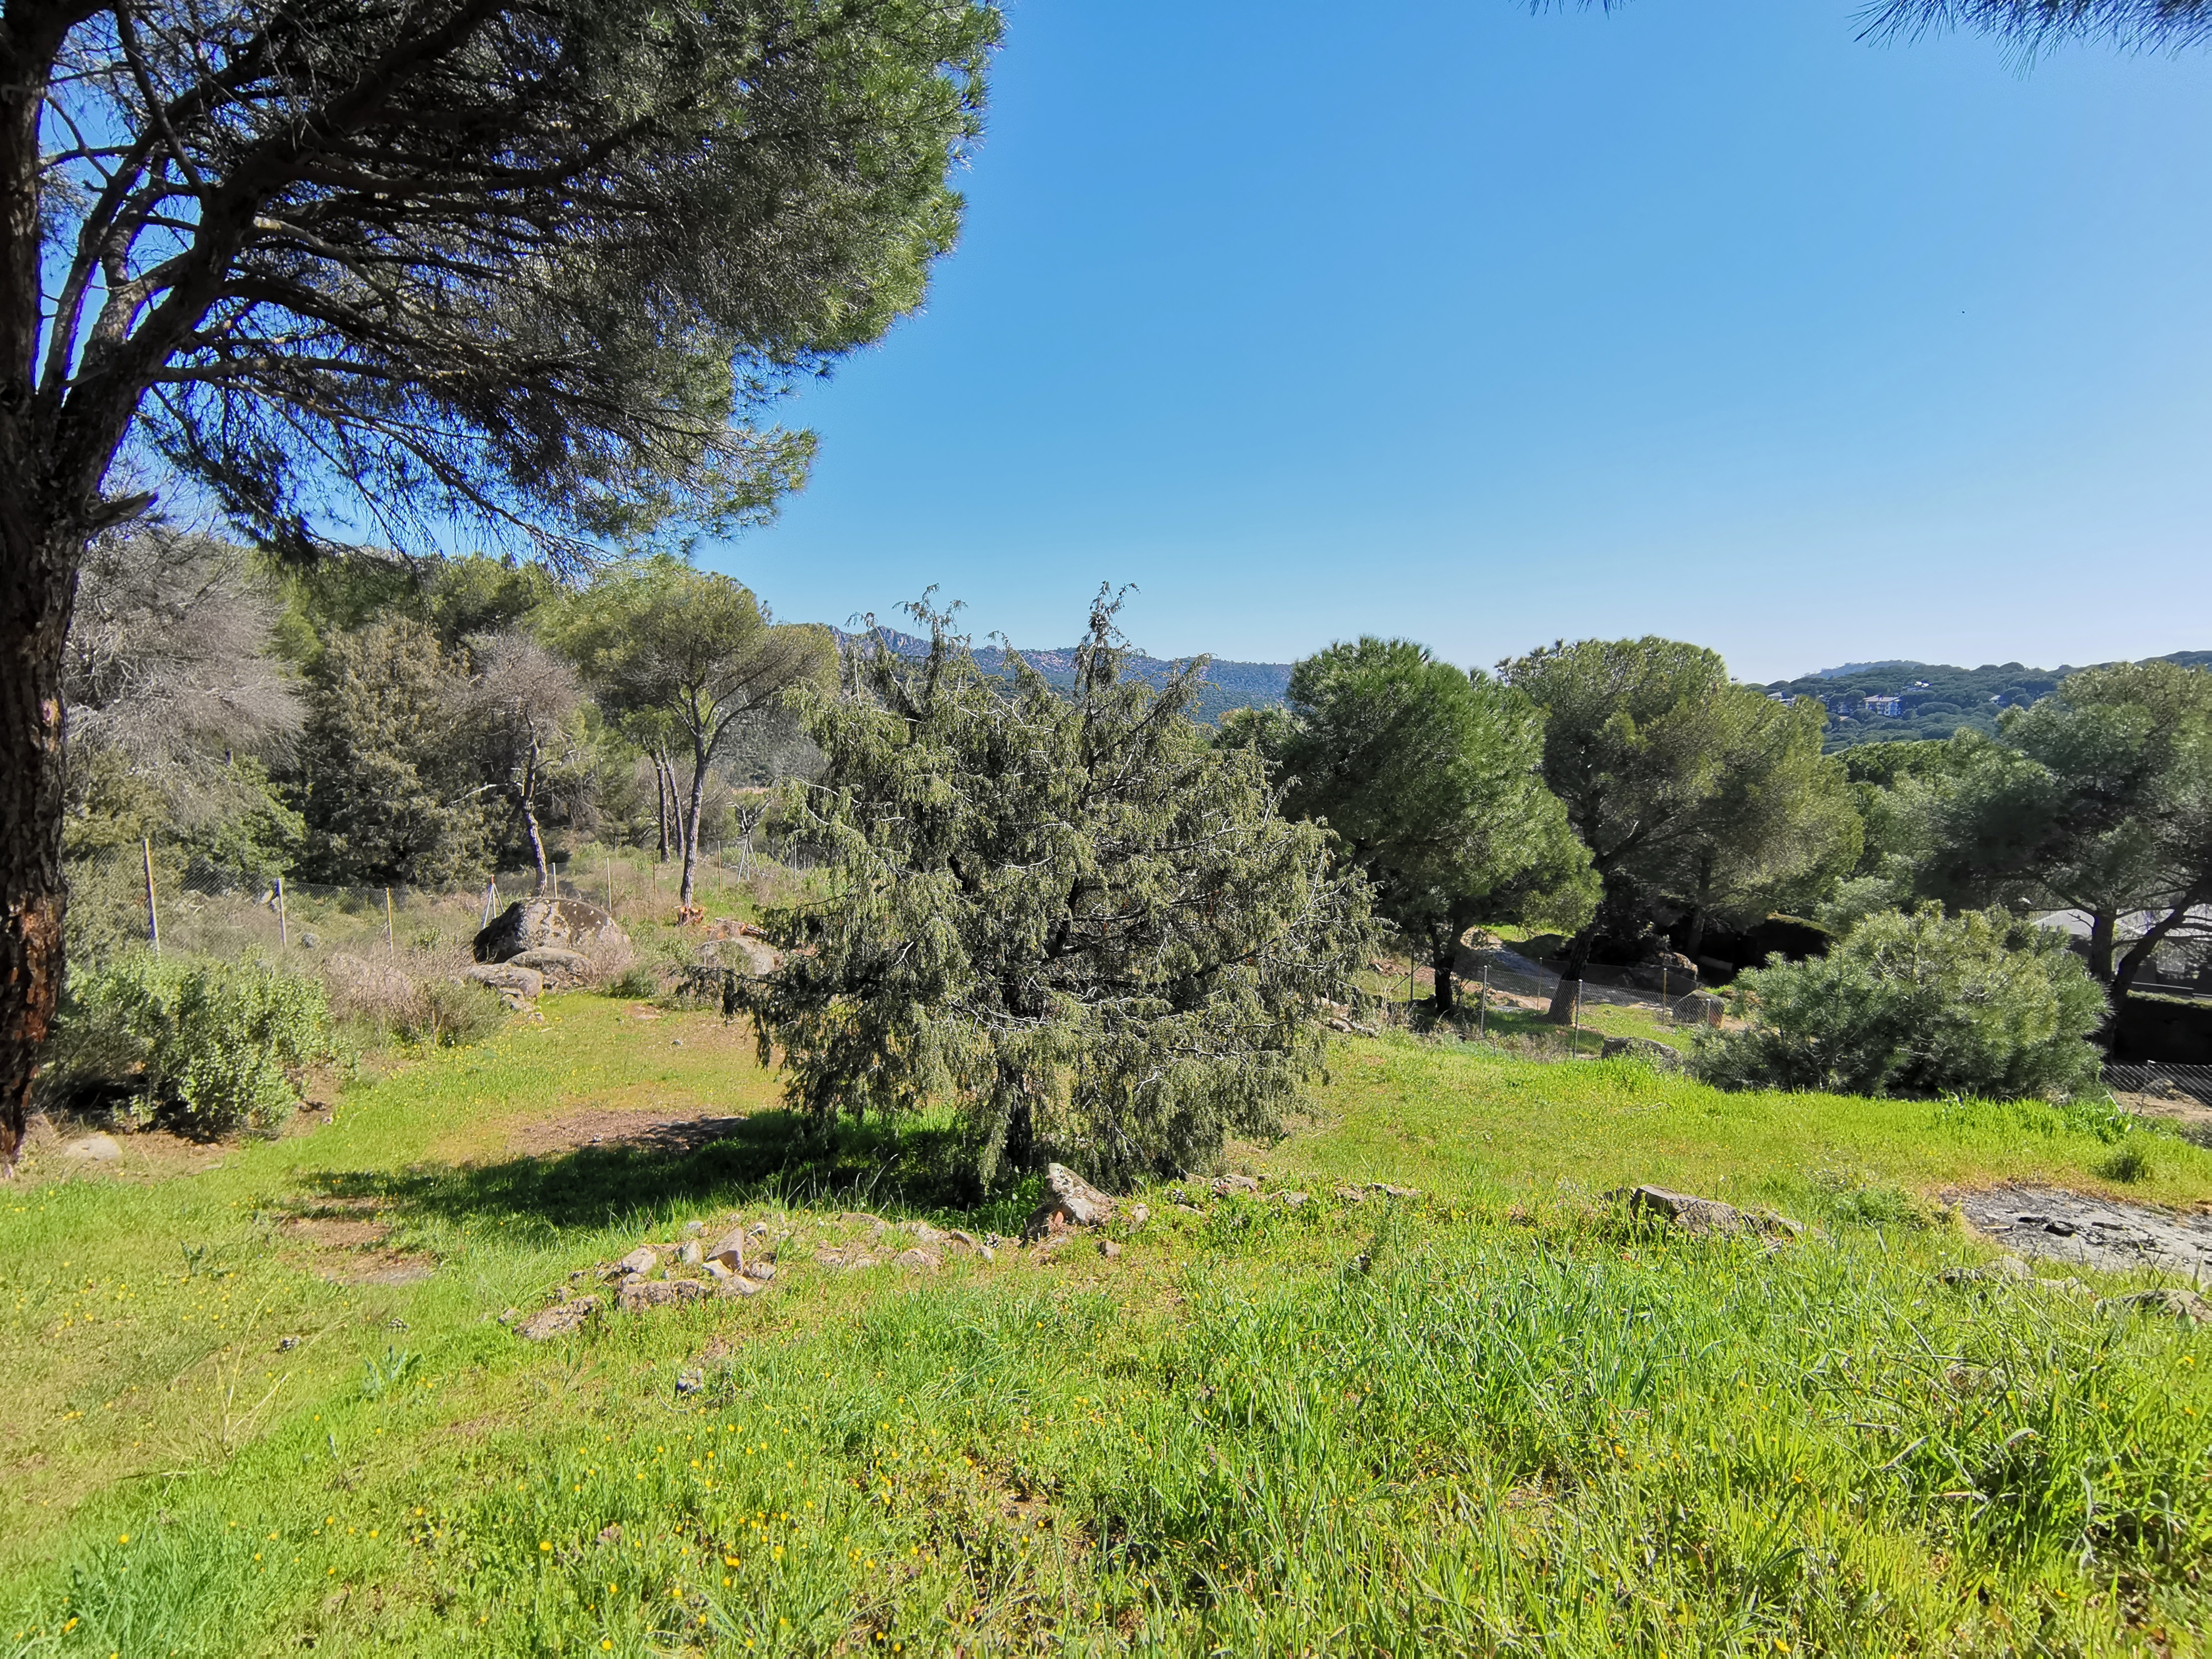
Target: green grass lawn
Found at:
x=263, y=1397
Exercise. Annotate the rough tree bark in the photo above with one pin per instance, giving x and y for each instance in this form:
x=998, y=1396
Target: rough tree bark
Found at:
x=38, y=583
x=2104, y=929
x=664, y=787
x=1443, y=951
x=687, y=826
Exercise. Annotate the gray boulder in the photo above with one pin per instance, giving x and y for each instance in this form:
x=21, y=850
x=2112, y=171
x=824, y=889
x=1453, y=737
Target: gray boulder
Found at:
x=1668, y=971
x=537, y=924
x=516, y=986
x=1694, y=1214
x=561, y=970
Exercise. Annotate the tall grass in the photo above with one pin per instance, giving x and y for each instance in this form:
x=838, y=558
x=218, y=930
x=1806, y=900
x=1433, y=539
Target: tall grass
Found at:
x=1452, y=1424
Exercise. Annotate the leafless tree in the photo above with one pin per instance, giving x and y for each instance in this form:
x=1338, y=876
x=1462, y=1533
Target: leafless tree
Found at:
x=168, y=653
x=523, y=698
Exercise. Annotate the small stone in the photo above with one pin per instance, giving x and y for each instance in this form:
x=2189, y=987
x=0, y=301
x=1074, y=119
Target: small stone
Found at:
x=693, y=1229
x=1290, y=1201
x=1139, y=1215
x=737, y=1285
x=1225, y=1185
x=1071, y=1201
x=729, y=1250
x=2185, y=1305
x=558, y=1320
x=2013, y=1267
x=642, y=1260
x=693, y=1256
x=717, y=1269
x=917, y=1260
x=1109, y=1248
x=662, y=1294
x=101, y=1149
x=292, y=1342
x=986, y=1253
x=760, y=1272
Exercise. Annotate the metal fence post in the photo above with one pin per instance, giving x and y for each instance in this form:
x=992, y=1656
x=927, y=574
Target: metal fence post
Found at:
x=391, y=941
x=1578, y=1018
x=153, y=915
x=1482, y=1006
x=283, y=934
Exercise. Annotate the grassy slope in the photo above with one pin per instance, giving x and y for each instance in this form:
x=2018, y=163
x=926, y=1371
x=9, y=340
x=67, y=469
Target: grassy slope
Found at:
x=1482, y=1416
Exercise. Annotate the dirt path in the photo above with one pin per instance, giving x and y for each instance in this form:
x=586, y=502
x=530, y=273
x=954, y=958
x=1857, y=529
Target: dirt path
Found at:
x=2091, y=1232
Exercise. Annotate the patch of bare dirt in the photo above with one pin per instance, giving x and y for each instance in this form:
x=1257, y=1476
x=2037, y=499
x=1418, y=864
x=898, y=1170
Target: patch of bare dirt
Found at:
x=2190, y=1117
x=598, y=1127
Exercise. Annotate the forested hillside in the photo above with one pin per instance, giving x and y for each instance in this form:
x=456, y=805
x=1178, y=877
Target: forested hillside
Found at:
x=1935, y=699
x=1228, y=684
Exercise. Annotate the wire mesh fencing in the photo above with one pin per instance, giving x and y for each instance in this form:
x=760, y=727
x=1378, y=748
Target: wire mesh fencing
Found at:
x=172, y=899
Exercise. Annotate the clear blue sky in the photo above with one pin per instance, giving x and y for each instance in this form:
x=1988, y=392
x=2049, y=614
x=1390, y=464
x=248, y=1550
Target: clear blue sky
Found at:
x=1448, y=321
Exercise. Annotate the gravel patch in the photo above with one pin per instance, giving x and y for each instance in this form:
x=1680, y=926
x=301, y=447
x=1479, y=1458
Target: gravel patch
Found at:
x=2091, y=1232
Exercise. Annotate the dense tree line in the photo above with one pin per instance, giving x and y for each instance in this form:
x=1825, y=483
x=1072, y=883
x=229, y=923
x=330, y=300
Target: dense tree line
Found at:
x=378, y=721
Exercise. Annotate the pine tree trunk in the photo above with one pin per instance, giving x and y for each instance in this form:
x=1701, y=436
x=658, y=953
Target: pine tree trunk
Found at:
x=2131, y=965
x=1443, y=951
x=1562, y=1011
x=688, y=827
x=663, y=786
x=2103, y=925
x=38, y=585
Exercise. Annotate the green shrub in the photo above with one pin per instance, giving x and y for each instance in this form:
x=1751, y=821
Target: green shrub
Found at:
x=212, y=1042
x=637, y=983
x=1919, y=1004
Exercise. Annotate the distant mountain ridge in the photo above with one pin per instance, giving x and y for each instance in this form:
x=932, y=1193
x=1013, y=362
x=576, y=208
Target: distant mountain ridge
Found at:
x=1228, y=685
x=1933, y=700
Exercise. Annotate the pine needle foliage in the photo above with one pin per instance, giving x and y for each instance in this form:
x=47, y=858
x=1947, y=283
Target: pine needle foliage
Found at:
x=1067, y=915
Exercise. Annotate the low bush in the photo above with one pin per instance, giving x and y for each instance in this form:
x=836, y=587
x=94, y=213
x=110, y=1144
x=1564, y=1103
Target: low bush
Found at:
x=1919, y=1004
x=637, y=983
x=214, y=1043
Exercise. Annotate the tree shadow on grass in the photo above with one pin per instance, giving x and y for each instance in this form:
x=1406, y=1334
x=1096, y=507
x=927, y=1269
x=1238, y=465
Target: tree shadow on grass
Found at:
x=770, y=1158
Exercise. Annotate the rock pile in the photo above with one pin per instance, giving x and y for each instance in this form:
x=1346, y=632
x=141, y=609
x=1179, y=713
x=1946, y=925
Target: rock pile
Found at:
x=666, y=1276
